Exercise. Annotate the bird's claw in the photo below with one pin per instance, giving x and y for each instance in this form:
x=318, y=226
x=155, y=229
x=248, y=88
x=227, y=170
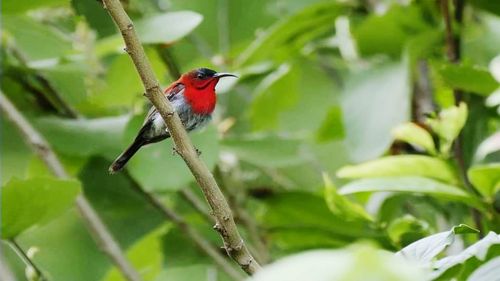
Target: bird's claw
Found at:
x=174, y=151
x=198, y=152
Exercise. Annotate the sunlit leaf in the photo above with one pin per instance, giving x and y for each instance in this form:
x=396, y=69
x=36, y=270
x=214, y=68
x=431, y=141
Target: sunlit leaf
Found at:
x=168, y=27
x=342, y=206
x=402, y=165
x=415, y=135
x=35, y=201
x=332, y=127
x=448, y=124
x=485, y=178
x=414, y=185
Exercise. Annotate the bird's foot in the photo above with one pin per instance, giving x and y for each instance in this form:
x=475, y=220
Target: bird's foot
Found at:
x=198, y=152
x=174, y=151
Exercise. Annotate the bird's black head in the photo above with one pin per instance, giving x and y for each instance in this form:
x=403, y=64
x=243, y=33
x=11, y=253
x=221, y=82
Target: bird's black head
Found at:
x=204, y=73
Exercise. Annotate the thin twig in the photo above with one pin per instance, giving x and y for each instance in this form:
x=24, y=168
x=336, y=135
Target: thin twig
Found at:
x=27, y=260
x=98, y=229
x=453, y=54
x=233, y=243
x=203, y=244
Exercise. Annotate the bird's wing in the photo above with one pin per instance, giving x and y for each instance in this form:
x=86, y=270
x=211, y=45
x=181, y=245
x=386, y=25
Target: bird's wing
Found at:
x=170, y=92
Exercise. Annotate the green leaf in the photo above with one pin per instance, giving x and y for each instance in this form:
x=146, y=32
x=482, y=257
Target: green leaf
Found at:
x=290, y=34
x=68, y=80
x=368, y=124
x=202, y=272
x=448, y=124
x=269, y=99
x=469, y=78
x=407, y=229
x=34, y=40
x=13, y=7
x=402, y=165
x=35, y=201
x=168, y=27
x=425, y=250
x=340, y=205
x=414, y=185
x=415, y=135
x=489, y=270
x=399, y=25
x=485, y=178
x=97, y=17
x=267, y=151
x=156, y=168
x=487, y=5
x=354, y=263
x=145, y=255
x=331, y=128
x=84, y=137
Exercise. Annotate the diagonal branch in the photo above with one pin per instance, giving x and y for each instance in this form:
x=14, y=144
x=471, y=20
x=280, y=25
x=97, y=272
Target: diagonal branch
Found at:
x=233, y=243
x=27, y=260
x=99, y=231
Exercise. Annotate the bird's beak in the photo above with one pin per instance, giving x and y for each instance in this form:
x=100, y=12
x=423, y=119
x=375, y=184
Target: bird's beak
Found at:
x=222, y=74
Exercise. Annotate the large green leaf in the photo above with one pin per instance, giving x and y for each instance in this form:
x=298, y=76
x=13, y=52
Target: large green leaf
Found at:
x=167, y=27
x=14, y=7
x=359, y=262
x=487, y=5
x=292, y=33
x=414, y=185
x=34, y=40
x=277, y=92
x=399, y=25
x=485, y=178
x=368, y=124
x=35, y=201
x=402, y=165
x=425, y=250
x=84, y=137
x=266, y=151
x=469, y=78
x=68, y=80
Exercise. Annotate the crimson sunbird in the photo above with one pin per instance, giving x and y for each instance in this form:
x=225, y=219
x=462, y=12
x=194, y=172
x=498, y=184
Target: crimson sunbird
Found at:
x=193, y=98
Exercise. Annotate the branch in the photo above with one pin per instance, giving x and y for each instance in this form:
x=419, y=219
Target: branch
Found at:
x=453, y=53
x=191, y=232
x=233, y=243
x=94, y=223
x=27, y=260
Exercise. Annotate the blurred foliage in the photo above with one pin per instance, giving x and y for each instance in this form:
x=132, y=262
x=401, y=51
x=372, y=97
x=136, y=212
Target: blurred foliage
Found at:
x=341, y=129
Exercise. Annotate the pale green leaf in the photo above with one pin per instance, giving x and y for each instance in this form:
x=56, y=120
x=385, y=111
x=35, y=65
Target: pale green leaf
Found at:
x=340, y=205
x=402, y=165
x=448, y=125
x=415, y=135
x=485, y=178
x=26, y=203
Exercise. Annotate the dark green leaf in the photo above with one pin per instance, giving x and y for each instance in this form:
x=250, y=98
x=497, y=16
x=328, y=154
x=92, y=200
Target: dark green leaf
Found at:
x=36, y=201
x=469, y=78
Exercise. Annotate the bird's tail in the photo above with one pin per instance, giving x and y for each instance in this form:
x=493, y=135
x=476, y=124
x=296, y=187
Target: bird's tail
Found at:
x=120, y=162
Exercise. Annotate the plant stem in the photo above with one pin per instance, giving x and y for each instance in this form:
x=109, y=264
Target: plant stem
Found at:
x=233, y=243
x=26, y=259
x=97, y=228
x=453, y=42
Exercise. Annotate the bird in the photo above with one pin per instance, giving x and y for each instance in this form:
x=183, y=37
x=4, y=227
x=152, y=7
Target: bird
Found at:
x=193, y=98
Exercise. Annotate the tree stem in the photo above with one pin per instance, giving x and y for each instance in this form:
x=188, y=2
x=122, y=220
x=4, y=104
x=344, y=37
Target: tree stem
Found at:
x=27, y=260
x=233, y=243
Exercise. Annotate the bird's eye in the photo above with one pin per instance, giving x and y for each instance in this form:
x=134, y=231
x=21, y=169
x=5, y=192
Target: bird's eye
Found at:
x=200, y=76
